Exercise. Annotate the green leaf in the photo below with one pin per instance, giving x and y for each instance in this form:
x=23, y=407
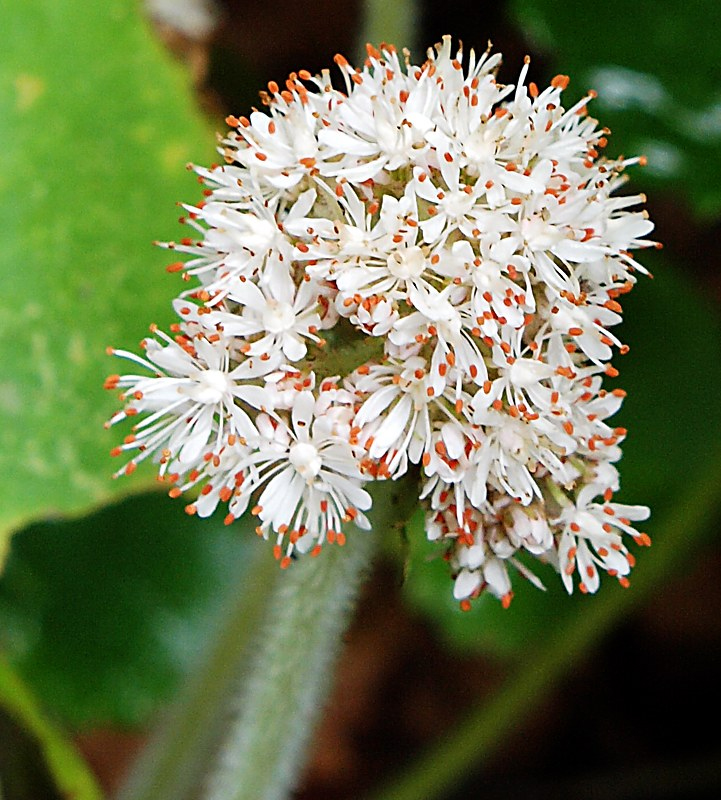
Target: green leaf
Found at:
x=103, y=616
x=658, y=77
x=69, y=771
x=673, y=377
x=96, y=125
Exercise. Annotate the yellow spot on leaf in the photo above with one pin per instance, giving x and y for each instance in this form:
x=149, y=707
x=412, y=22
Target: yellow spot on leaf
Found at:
x=11, y=401
x=77, y=350
x=143, y=134
x=29, y=89
x=173, y=156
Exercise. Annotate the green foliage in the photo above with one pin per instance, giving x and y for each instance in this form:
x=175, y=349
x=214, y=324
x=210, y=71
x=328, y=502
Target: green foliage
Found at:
x=656, y=69
x=103, y=616
x=70, y=774
x=96, y=126
x=675, y=341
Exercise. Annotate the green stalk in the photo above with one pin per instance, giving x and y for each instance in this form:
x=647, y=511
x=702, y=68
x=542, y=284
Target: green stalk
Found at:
x=175, y=761
x=482, y=733
x=280, y=702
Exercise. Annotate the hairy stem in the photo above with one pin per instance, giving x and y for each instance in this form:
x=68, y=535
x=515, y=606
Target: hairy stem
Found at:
x=175, y=761
x=282, y=698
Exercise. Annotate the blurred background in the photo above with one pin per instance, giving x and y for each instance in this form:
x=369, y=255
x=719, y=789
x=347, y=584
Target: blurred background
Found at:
x=106, y=615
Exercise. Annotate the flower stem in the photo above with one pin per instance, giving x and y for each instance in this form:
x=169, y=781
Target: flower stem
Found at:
x=175, y=761
x=283, y=696
x=483, y=730
x=280, y=703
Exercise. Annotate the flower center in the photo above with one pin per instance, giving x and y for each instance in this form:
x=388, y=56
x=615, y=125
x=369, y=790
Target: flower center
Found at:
x=539, y=235
x=457, y=204
x=353, y=241
x=407, y=263
x=512, y=441
x=526, y=372
x=278, y=317
x=210, y=387
x=304, y=457
x=479, y=148
x=443, y=314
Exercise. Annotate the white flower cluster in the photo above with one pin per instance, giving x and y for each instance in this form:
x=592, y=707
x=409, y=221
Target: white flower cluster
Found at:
x=417, y=275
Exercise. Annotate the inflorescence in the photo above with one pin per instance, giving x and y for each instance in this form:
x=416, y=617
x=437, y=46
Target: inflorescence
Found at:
x=418, y=276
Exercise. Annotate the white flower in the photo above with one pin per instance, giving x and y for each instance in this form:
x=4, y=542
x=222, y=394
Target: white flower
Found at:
x=460, y=246
x=591, y=538
x=193, y=400
x=309, y=480
x=513, y=450
x=394, y=423
x=272, y=316
x=529, y=529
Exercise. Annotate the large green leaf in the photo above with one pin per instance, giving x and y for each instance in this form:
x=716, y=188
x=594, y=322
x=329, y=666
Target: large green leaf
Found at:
x=673, y=377
x=657, y=71
x=102, y=616
x=96, y=125
x=69, y=773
